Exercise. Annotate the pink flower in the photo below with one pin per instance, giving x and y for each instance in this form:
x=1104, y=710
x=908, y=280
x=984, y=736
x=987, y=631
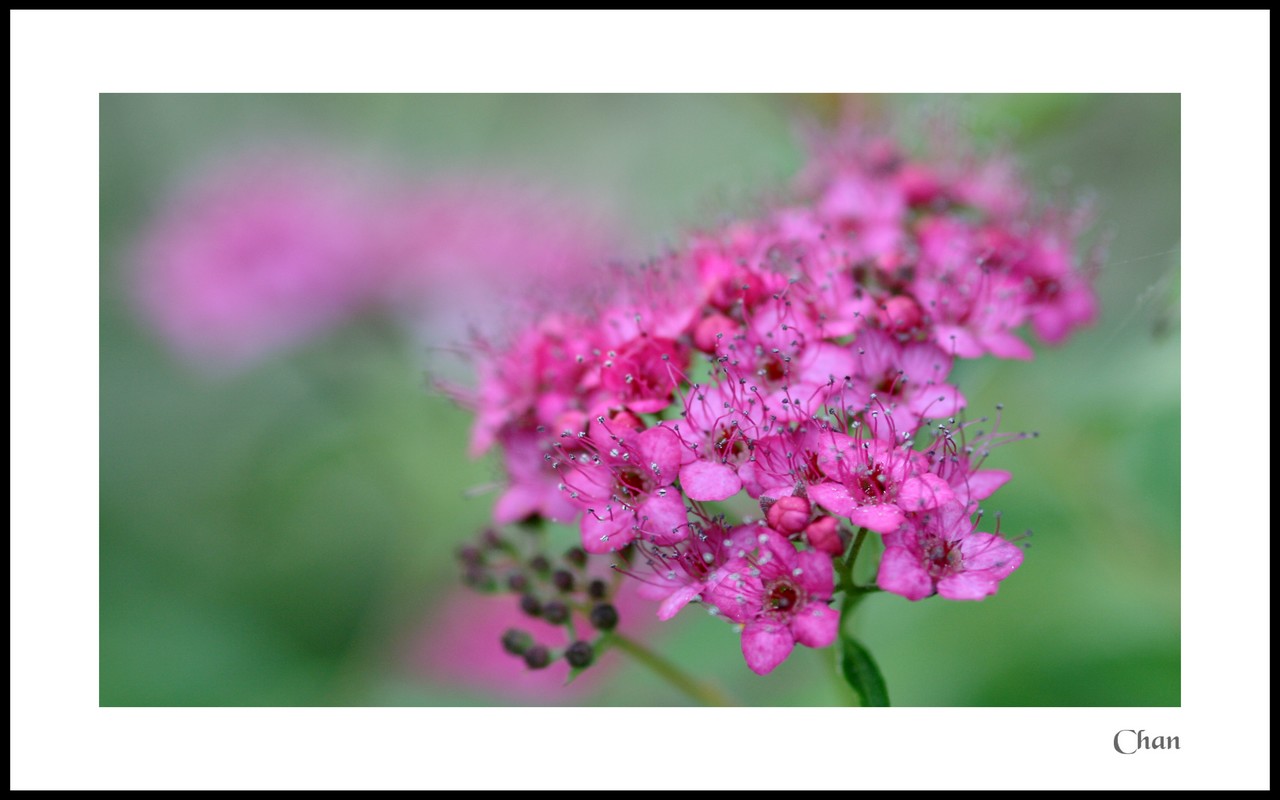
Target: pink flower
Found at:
x=259, y=256
x=787, y=462
x=941, y=552
x=875, y=485
x=781, y=597
x=459, y=646
x=534, y=487
x=791, y=374
x=682, y=573
x=641, y=374
x=533, y=381
x=626, y=490
x=719, y=430
x=964, y=284
x=906, y=380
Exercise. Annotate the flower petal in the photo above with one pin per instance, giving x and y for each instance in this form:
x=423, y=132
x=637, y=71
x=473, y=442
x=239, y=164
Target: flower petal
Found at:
x=777, y=555
x=662, y=450
x=924, y=492
x=610, y=531
x=902, y=573
x=678, y=600
x=816, y=574
x=816, y=625
x=988, y=553
x=709, y=481
x=664, y=520
x=968, y=586
x=884, y=518
x=834, y=497
x=765, y=645
x=983, y=483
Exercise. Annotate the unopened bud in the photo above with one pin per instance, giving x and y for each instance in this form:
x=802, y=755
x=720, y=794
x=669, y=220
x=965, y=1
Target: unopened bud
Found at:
x=604, y=617
x=555, y=612
x=824, y=535
x=516, y=642
x=530, y=605
x=537, y=657
x=712, y=331
x=580, y=654
x=789, y=515
x=900, y=313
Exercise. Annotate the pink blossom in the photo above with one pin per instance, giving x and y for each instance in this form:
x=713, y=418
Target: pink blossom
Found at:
x=682, y=573
x=875, y=485
x=258, y=256
x=941, y=552
x=626, y=490
x=906, y=380
x=533, y=381
x=719, y=429
x=973, y=301
x=791, y=374
x=534, y=488
x=781, y=597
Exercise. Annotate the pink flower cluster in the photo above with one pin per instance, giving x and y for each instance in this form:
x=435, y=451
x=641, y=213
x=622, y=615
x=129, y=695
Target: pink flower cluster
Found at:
x=801, y=359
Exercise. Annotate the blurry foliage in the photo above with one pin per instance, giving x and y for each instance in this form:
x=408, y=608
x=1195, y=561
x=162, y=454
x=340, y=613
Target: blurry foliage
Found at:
x=274, y=537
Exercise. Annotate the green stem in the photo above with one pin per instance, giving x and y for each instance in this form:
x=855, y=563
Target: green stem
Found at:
x=853, y=592
x=705, y=694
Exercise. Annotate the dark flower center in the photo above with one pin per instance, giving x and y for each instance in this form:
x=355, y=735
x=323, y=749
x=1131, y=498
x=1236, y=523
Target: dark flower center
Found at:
x=782, y=596
x=773, y=369
x=631, y=484
x=872, y=482
x=728, y=443
x=943, y=557
x=809, y=469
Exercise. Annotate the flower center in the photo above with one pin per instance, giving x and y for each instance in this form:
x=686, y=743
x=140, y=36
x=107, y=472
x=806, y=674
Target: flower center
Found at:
x=728, y=443
x=943, y=557
x=809, y=469
x=631, y=484
x=872, y=482
x=773, y=369
x=890, y=383
x=783, y=596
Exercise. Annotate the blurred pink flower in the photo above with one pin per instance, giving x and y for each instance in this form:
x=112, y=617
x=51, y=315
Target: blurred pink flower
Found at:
x=256, y=256
x=469, y=247
x=460, y=646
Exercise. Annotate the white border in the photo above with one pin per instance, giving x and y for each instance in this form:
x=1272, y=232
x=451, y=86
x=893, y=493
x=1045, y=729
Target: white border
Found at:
x=60, y=61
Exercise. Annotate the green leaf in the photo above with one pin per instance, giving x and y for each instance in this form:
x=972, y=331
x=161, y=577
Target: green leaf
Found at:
x=861, y=672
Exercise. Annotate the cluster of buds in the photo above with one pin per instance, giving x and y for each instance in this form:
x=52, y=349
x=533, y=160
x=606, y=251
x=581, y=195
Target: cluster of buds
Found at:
x=797, y=364
x=567, y=591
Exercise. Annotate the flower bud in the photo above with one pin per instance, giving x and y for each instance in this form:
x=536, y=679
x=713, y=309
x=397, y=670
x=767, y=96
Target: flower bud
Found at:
x=919, y=184
x=580, y=654
x=537, y=657
x=517, y=582
x=824, y=535
x=789, y=515
x=604, y=617
x=576, y=557
x=900, y=313
x=530, y=605
x=597, y=589
x=516, y=642
x=563, y=580
x=712, y=331
x=555, y=612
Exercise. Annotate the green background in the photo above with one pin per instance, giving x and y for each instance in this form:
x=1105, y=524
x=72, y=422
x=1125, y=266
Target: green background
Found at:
x=276, y=536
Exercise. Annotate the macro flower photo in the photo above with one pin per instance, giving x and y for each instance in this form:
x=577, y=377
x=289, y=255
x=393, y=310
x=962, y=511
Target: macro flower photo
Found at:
x=640, y=400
